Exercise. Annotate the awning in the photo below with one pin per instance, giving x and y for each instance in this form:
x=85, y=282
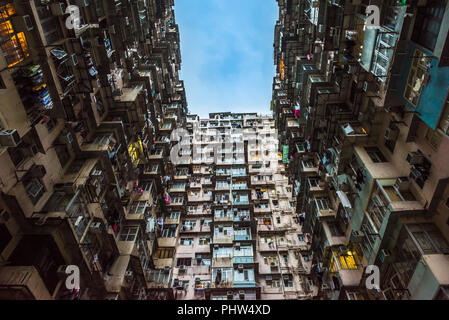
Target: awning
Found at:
x=344, y=199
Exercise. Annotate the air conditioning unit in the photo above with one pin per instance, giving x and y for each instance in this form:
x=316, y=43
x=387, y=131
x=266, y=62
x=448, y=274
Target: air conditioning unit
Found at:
x=369, y=86
x=29, y=150
x=357, y=236
x=237, y=245
x=385, y=255
x=230, y=295
x=9, y=138
x=37, y=171
x=391, y=134
x=415, y=158
x=4, y=216
x=242, y=295
x=167, y=269
x=240, y=266
x=402, y=183
x=74, y=60
x=182, y=268
x=95, y=227
x=22, y=23
x=128, y=273
x=57, y=9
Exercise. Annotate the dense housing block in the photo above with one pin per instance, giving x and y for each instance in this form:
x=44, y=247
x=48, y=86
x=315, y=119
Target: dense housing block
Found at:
x=362, y=115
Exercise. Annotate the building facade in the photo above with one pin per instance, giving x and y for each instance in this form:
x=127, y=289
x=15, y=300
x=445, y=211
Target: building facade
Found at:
x=239, y=238
x=362, y=119
x=89, y=95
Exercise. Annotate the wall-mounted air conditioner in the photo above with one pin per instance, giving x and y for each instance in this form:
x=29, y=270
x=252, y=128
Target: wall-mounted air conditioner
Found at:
x=9, y=138
x=22, y=23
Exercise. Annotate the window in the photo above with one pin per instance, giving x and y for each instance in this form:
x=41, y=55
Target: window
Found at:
x=164, y=253
x=184, y=262
x=244, y=251
x=433, y=137
x=35, y=189
x=272, y=281
x=244, y=275
x=174, y=215
x=189, y=224
x=178, y=200
x=322, y=203
x=313, y=182
x=270, y=260
x=147, y=186
x=186, y=241
x=102, y=139
x=375, y=154
x=202, y=260
x=224, y=274
x=128, y=233
x=169, y=231
x=369, y=239
x=224, y=252
x=301, y=237
x=427, y=24
x=428, y=238
x=288, y=280
x=178, y=186
x=204, y=241
x=416, y=77
x=13, y=44
x=138, y=207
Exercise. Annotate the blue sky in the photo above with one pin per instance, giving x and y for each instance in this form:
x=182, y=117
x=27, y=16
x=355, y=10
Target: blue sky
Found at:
x=227, y=54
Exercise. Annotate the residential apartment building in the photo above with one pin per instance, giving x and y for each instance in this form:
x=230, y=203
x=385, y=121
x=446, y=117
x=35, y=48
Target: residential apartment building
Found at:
x=87, y=104
x=239, y=237
x=362, y=115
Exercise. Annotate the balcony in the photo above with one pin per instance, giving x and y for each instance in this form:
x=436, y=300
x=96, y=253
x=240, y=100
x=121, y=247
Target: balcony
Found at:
x=239, y=199
x=392, y=195
x=309, y=167
x=345, y=264
x=242, y=260
x=222, y=239
x=267, y=246
x=23, y=283
x=222, y=262
x=242, y=237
